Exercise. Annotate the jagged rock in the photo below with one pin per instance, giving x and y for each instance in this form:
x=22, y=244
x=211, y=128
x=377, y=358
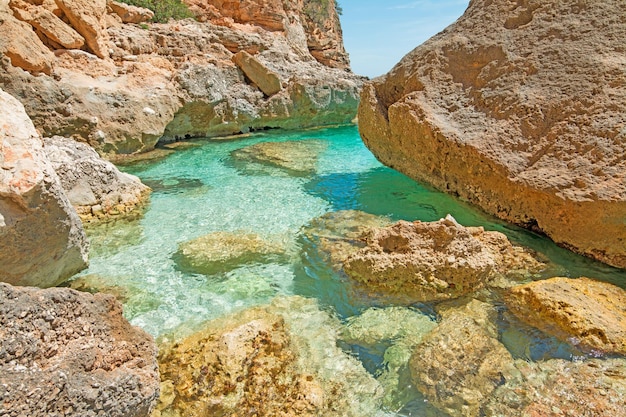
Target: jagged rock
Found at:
x=222, y=251
x=296, y=157
x=587, y=313
x=42, y=241
x=21, y=45
x=560, y=388
x=267, y=81
x=460, y=363
x=429, y=261
x=277, y=360
x=71, y=353
x=515, y=111
x=95, y=187
x=129, y=13
x=88, y=18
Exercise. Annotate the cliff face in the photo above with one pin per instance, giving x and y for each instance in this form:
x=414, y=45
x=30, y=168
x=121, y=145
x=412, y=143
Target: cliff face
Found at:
x=122, y=86
x=520, y=110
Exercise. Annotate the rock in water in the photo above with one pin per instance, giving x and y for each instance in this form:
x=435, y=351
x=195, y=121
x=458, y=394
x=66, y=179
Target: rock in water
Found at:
x=295, y=157
x=70, y=353
x=520, y=109
x=42, y=241
x=588, y=313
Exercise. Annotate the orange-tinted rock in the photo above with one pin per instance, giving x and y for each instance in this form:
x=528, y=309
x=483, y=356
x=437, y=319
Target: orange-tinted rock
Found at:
x=589, y=314
x=259, y=74
x=88, y=18
x=129, y=13
x=515, y=110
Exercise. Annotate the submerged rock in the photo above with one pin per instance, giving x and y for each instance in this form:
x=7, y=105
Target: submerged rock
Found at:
x=295, y=157
x=95, y=187
x=278, y=360
x=42, y=242
x=586, y=313
x=71, y=353
x=431, y=261
x=512, y=109
x=221, y=251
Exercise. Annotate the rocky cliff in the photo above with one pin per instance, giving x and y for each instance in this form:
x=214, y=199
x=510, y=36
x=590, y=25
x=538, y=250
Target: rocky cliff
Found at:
x=122, y=86
x=519, y=108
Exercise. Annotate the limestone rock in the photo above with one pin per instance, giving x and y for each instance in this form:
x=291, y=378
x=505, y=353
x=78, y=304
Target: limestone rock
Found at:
x=95, y=187
x=295, y=157
x=589, y=314
x=514, y=110
x=559, y=388
x=221, y=251
x=459, y=364
x=277, y=360
x=21, y=45
x=65, y=350
x=257, y=73
x=129, y=13
x=88, y=18
x=428, y=261
x=42, y=241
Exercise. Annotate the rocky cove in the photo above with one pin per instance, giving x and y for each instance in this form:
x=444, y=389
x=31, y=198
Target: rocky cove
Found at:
x=280, y=272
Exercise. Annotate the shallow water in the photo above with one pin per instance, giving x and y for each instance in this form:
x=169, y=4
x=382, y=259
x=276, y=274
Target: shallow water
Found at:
x=202, y=189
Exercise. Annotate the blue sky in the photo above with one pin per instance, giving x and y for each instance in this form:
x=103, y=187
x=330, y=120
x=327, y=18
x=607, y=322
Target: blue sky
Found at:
x=377, y=34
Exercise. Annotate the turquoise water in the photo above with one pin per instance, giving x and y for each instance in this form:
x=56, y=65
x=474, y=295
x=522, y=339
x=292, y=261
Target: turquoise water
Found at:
x=202, y=189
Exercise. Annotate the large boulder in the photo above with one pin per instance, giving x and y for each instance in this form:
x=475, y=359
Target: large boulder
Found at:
x=42, y=241
x=70, y=353
x=520, y=109
x=264, y=78
x=587, y=313
x=88, y=17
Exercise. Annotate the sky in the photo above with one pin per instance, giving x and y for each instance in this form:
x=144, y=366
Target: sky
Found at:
x=378, y=33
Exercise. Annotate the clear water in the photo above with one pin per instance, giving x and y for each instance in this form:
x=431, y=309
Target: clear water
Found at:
x=201, y=189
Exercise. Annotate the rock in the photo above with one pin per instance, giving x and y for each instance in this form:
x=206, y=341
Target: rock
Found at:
x=295, y=157
x=428, y=261
x=71, y=353
x=267, y=80
x=515, y=111
x=129, y=13
x=95, y=187
x=88, y=18
x=221, y=251
x=42, y=241
x=559, y=388
x=21, y=45
x=460, y=363
x=589, y=314
x=277, y=360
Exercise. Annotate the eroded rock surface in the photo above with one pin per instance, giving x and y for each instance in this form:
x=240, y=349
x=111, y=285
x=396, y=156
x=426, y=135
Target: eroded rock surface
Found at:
x=42, y=241
x=587, y=313
x=295, y=157
x=70, y=353
x=514, y=110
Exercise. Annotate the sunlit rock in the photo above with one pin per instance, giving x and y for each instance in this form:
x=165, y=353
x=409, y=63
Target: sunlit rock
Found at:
x=586, y=313
x=265, y=79
x=129, y=13
x=295, y=157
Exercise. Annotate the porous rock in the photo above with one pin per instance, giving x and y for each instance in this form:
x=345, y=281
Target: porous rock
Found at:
x=42, y=241
x=69, y=353
x=129, y=13
x=295, y=157
x=88, y=18
x=257, y=73
x=519, y=108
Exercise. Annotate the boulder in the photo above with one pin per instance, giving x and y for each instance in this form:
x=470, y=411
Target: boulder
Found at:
x=129, y=13
x=513, y=109
x=266, y=80
x=429, y=261
x=95, y=187
x=42, y=241
x=88, y=18
x=295, y=157
x=587, y=313
x=70, y=353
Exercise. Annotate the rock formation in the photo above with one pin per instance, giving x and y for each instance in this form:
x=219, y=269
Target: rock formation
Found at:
x=520, y=109
x=42, y=241
x=70, y=353
x=297, y=158
x=129, y=86
x=589, y=314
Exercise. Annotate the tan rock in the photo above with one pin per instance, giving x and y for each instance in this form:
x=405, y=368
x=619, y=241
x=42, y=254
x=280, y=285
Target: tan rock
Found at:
x=257, y=73
x=295, y=157
x=516, y=112
x=129, y=13
x=88, y=18
x=589, y=314
x=42, y=242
